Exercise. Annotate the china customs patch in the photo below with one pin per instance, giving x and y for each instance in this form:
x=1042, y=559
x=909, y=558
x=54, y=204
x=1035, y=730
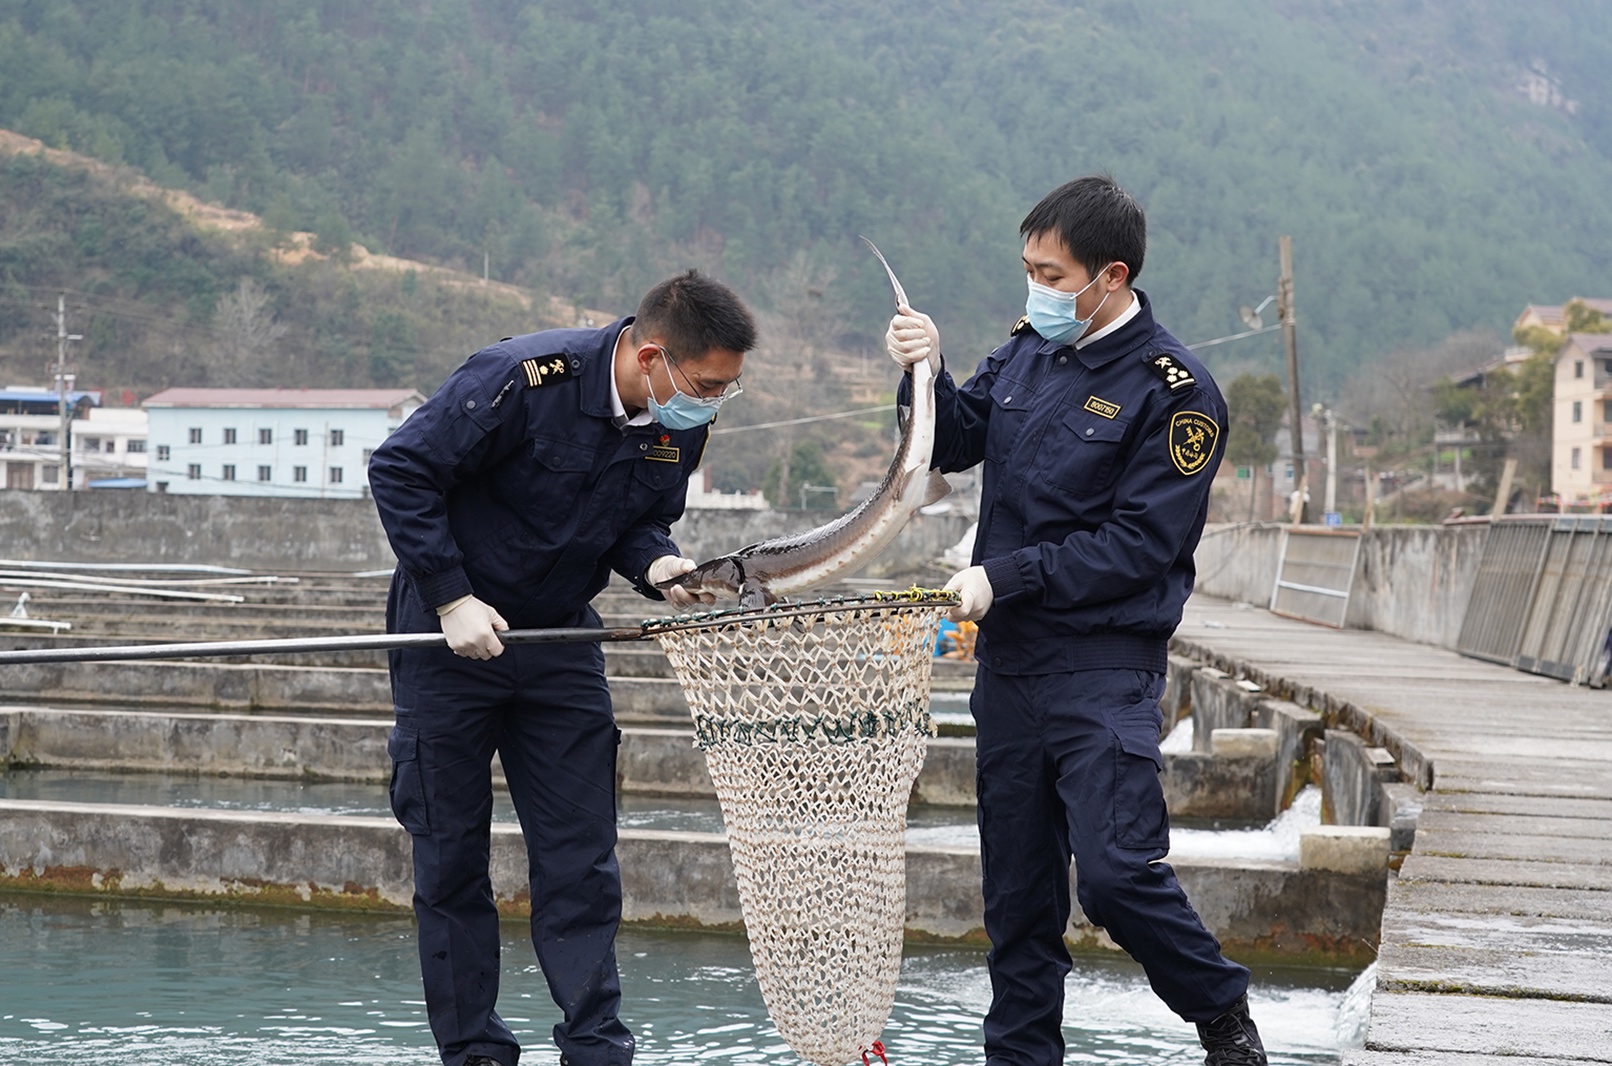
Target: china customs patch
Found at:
x=1192, y=441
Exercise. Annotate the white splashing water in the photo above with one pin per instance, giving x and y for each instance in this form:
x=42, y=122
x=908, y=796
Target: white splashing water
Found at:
x=1354, y=1013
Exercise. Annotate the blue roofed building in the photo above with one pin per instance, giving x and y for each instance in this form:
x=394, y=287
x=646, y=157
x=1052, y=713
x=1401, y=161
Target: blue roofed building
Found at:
x=31, y=446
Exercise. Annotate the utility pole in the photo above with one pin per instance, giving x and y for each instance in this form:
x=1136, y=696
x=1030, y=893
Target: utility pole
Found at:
x=1284, y=309
x=1332, y=460
x=62, y=337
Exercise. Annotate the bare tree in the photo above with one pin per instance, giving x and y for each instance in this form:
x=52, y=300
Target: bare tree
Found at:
x=1394, y=392
x=802, y=294
x=247, y=334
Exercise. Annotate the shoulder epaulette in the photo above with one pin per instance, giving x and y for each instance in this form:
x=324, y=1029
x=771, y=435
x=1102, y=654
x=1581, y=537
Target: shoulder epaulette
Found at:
x=1171, y=372
x=545, y=369
x=1020, y=326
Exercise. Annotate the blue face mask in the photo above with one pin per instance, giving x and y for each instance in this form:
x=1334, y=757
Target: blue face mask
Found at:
x=1052, y=311
x=682, y=411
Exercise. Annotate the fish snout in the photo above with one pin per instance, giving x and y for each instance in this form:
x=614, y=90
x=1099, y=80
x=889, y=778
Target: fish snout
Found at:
x=718, y=575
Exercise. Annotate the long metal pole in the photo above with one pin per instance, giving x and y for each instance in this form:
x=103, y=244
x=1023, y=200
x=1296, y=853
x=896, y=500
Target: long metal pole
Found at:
x=64, y=476
x=1284, y=300
x=359, y=642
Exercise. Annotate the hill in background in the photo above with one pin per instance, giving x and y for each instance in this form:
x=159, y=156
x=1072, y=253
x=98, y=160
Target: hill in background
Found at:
x=1438, y=164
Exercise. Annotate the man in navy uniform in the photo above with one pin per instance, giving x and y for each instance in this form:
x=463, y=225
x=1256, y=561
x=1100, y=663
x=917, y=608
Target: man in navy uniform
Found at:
x=540, y=465
x=1100, y=435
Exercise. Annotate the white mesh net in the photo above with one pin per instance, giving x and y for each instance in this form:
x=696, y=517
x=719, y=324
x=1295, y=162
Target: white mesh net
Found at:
x=814, y=723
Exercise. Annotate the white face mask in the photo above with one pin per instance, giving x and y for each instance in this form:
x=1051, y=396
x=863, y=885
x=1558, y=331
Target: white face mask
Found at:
x=683, y=411
x=1052, y=311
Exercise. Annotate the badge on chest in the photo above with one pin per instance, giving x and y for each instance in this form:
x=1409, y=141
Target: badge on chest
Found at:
x=1099, y=406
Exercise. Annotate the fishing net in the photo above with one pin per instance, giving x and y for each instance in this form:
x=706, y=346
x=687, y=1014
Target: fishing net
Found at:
x=814, y=721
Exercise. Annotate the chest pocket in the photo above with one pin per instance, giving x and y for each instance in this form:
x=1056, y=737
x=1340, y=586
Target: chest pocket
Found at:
x=565, y=466
x=651, y=478
x=1010, y=406
x=1084, y=452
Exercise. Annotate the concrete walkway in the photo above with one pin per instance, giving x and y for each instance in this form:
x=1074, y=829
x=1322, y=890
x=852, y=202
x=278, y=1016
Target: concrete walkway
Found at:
x=1497, y=936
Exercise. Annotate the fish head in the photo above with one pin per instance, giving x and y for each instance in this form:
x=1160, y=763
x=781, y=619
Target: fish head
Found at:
x=722, y=575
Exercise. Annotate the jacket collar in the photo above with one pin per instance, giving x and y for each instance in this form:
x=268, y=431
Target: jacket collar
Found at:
x=596, y=349
x=1129, y=337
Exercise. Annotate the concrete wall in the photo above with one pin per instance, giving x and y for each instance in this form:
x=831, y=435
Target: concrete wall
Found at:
x=682, y=879
x=292, y=534
x=1411, y=581
x=1233, y=782
x=1414, y=581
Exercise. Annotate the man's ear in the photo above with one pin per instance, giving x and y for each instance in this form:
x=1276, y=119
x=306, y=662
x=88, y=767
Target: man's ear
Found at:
x=1116, y=275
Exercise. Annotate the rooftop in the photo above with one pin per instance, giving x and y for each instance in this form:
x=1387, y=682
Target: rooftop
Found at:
x=1554, y=316
x=327, y=399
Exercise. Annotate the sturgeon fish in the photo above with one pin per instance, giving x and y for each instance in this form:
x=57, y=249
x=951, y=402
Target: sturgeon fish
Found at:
x=762, y=572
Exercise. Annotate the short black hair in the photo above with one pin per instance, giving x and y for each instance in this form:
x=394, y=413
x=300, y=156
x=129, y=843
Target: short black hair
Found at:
x=692, y=314
x=1100, y=223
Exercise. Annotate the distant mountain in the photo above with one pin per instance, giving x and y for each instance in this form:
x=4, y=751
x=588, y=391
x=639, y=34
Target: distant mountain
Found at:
x=1438, y=164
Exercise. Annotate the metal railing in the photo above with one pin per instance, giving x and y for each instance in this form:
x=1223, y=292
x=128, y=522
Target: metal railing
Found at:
x=1316, y=574
x=1542, y=598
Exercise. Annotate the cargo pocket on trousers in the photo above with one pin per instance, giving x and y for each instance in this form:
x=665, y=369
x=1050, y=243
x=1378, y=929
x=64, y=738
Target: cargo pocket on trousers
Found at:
x=1140, y=817
x=408, y=786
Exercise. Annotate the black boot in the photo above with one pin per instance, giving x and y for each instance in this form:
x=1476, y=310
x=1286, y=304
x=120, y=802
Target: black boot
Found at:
x=1231, y=1039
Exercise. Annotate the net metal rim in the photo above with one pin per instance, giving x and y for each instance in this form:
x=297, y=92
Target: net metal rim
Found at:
x=914, y=598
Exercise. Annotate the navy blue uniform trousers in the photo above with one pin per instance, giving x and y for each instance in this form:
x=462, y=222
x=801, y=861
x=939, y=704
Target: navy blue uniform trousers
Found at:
x=545, y=709
x=1068, y=765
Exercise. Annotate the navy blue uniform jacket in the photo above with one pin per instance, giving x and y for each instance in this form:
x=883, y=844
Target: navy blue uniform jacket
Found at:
x=1098, y=465
x=514, y=483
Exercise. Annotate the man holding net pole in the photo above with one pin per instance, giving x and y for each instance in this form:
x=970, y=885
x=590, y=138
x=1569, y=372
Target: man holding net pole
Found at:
x=1098, y=432
x=542, y=463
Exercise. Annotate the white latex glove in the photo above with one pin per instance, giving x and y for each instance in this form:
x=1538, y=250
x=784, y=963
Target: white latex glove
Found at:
x=912, y=336
x=472, y=628
x=669, y=566
x=975, y=590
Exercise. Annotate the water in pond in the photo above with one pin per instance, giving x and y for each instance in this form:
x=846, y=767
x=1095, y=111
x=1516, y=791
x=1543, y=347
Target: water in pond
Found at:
x=146, y=984
x=353, y=799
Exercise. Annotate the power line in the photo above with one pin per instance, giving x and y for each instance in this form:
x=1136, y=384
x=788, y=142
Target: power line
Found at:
x=803, y=421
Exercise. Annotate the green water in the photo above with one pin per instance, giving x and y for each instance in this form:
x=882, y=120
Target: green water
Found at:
x=147, y=984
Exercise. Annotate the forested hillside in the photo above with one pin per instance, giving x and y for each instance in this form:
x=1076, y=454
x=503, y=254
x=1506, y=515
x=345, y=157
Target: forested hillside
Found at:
x=1438, y=164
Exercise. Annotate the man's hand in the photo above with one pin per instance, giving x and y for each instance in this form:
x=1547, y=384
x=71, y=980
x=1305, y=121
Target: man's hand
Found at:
x=472, y=628
x=912, y=336
x=975, y=589
x=669, y=566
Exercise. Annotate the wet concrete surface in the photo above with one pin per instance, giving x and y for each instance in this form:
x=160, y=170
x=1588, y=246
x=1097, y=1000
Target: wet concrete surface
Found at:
x=1497, y=932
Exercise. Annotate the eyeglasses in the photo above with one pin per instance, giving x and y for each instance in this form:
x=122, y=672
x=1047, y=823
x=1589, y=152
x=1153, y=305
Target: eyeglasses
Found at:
x=703, y=395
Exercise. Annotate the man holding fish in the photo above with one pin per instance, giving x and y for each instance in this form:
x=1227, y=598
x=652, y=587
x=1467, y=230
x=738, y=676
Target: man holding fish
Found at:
x=542, y=463
x=1099, y=433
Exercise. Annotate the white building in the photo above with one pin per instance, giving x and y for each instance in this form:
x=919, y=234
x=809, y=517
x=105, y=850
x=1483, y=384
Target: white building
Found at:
x=30, y=435
x=702, y=497
x=1581, y=456
x=108, y=448
x=270, y=442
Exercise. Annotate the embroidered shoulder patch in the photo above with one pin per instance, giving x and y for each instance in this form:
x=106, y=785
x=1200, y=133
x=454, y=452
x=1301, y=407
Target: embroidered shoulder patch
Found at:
x=546, y=370
x=1174, y=374
x=1192, y=441
x=1098, y=406
x=1020, y=326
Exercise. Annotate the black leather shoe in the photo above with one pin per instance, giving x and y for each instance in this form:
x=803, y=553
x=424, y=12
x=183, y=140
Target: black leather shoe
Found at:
x=1231, y=1039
